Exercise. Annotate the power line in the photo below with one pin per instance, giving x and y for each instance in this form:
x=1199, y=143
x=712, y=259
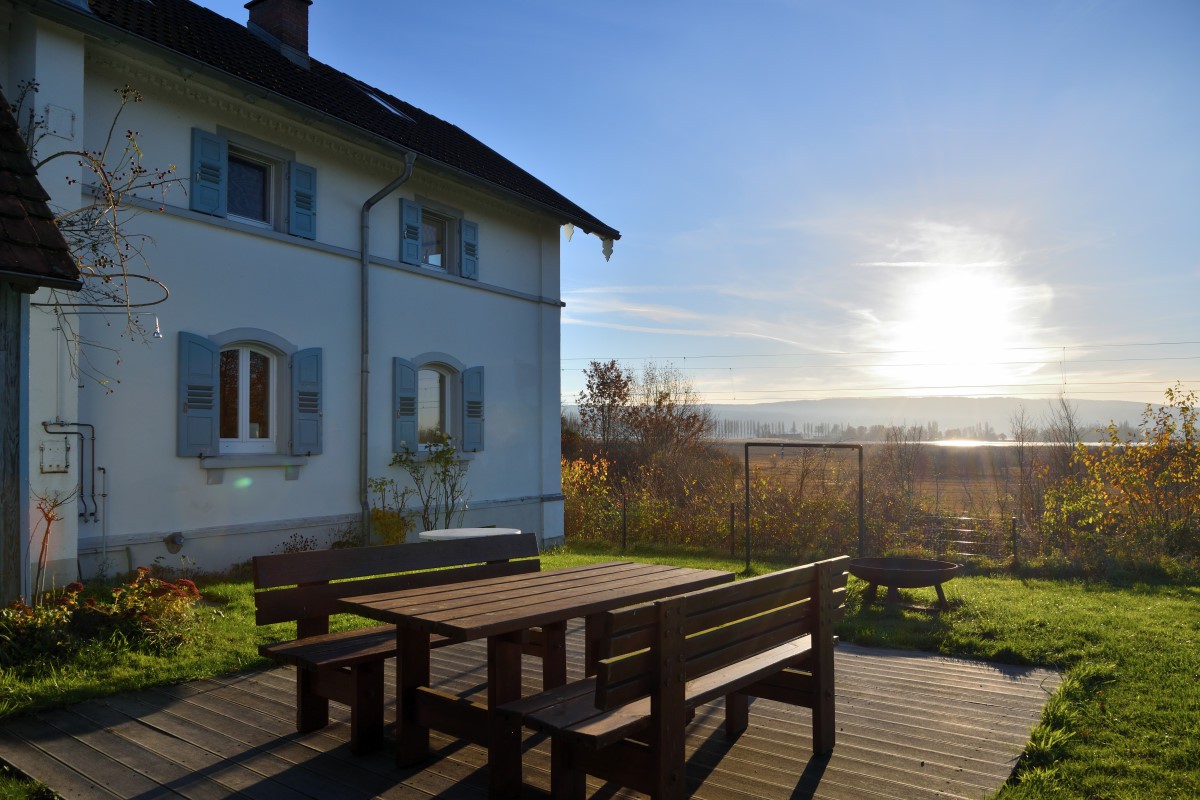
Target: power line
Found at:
x=830, y=353
x=1023, y=388
x=973, y=363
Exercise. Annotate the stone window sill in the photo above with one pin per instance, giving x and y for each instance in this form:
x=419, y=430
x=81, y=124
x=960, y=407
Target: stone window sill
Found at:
x=216, y=465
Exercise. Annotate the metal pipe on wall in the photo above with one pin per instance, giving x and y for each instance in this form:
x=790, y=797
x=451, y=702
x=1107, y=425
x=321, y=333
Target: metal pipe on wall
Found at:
x=365, y=334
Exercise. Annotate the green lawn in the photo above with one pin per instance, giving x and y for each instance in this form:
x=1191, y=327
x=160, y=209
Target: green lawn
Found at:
x=1124, y=725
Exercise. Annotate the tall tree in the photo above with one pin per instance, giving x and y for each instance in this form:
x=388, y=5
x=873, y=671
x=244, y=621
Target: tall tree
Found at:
x=604, y=405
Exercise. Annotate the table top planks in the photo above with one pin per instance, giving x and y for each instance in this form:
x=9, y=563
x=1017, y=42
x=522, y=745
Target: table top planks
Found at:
x=481, y=608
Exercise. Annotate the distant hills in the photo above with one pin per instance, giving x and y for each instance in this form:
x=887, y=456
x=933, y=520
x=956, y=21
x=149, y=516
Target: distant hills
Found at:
x=968, y=414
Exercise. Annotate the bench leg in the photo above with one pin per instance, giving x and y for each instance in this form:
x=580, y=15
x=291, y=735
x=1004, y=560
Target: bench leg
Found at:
x=312, y=710
x=591, y=638
x=412, y=670
x=566, y=782
x=504, y=742
x=737, y=713
x=366, y=709
x=554, y=655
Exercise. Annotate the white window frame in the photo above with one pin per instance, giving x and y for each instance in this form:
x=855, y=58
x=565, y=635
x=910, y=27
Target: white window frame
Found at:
x=276, y=159
x=450, y=370
x=243, y=443
x=273, y=187
x=451, y=220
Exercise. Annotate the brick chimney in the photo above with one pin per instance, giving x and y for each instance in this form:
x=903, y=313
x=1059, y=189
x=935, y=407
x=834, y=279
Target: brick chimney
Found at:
x=285, y=21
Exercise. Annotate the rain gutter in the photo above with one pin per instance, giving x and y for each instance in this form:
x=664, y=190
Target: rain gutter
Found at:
x=365, y=331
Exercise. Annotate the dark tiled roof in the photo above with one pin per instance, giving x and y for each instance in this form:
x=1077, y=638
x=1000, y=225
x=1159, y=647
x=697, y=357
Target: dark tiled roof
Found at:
x=225, y=45
x=32, y=249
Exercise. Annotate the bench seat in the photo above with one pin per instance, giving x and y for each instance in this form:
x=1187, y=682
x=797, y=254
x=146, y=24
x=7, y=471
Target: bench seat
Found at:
x=341, y=649
x=769, y=636
x=347, y=666
x=570, y=711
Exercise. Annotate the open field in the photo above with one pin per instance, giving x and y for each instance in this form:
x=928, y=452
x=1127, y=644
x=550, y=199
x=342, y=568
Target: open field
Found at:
x=956, y=478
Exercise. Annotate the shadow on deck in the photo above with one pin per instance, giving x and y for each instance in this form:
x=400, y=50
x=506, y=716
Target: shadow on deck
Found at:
x=909, y=725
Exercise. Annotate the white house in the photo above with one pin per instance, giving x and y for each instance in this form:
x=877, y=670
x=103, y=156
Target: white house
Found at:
x=338, y=255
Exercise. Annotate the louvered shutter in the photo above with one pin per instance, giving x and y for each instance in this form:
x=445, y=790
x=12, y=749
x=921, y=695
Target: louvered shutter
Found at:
x=302, y=200
x=472, y=412
x=199, y=384
x=404, y=405
x=410, y=232
x=469, y=258
x=307, y=436
x=210, y=162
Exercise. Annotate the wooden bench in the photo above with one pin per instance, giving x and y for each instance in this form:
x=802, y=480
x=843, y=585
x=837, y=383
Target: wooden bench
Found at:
x=770, y=636
x=348, y=666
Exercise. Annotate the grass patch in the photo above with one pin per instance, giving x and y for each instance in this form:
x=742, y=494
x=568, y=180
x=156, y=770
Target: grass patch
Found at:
x=1122, y=725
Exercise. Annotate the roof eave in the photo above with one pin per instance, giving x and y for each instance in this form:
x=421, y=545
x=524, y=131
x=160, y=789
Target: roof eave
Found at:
x=68, y=13
x=28, y=283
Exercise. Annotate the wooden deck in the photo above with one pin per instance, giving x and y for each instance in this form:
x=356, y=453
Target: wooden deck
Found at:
x=910, y=725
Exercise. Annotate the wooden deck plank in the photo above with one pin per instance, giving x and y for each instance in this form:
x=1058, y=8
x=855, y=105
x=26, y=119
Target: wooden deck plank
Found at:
x=19, y=750
x=910, y=725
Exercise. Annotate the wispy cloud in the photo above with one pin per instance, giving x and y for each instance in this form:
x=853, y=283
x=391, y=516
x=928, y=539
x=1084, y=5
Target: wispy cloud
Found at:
x=709, y=333
x=936, y=264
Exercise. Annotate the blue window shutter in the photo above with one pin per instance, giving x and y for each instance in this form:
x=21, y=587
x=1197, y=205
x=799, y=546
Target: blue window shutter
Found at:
x=469, y=260
x=472, y=412
x=306, y=402
x=404, y=405
x=199, y=385
x=210, y=162
x=410, y=232
x=302, y=200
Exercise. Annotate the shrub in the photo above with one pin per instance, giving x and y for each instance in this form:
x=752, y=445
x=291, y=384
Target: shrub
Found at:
x=147, y=614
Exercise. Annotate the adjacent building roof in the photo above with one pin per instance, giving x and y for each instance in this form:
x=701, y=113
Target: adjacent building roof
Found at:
x=33, y=252
x=200, y=35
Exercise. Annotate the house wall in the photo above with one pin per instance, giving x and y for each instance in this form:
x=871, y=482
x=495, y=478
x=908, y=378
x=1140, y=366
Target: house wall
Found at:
x=54, y=56
x=155, y=506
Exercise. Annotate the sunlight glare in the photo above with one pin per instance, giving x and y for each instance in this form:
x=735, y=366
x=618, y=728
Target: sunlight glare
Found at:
x=962, y=316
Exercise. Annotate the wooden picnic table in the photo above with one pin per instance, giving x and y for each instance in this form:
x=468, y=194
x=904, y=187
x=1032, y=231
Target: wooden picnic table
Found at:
x=503, y=610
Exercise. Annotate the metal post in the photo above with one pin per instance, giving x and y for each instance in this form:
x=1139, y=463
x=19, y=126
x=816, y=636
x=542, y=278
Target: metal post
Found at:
x=747, y=459
x=862, y=508
x=624, y=527
x=862, y=516
x=732, y=542
x=1015, y=556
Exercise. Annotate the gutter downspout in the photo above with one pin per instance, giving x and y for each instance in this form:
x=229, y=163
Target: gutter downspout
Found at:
x=364, y=320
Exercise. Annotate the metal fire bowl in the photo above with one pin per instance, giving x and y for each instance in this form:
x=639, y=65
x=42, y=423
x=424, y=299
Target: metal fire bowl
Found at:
x=902, y=573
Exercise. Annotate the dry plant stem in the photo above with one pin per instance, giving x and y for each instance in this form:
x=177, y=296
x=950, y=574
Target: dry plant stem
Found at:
x=98, y=232
x=47, y=505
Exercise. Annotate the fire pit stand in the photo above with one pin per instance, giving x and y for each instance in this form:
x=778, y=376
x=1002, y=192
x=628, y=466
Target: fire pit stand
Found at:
x=901, y=573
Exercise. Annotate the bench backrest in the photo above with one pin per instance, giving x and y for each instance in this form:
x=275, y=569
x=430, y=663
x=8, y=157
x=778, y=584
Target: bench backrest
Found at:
x=712, y=628
x=317, y=579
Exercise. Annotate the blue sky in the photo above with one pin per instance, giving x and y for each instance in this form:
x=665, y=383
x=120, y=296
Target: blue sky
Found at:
x=839, y=198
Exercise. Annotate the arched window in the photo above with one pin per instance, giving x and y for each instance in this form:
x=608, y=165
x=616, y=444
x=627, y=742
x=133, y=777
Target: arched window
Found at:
x=248, y=391
x=248, y=399
x=431, y=406
x=434, y=396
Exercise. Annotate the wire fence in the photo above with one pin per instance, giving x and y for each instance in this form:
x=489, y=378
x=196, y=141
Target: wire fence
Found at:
x=827, y=531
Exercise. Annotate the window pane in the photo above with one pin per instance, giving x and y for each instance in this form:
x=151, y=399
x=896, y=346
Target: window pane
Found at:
x=433, y=240
x=231, y=363
x=431, y=406
x=248, y=189
x=260, y=396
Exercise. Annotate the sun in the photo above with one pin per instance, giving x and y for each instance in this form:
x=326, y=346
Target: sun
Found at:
x=962, y=322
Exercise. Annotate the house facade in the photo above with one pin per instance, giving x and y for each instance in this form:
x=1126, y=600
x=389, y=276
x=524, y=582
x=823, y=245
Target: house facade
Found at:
x=336, y=277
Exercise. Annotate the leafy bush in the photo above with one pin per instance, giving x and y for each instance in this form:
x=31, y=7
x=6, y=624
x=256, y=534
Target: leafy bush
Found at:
x=390, y=520
x=146, y=614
